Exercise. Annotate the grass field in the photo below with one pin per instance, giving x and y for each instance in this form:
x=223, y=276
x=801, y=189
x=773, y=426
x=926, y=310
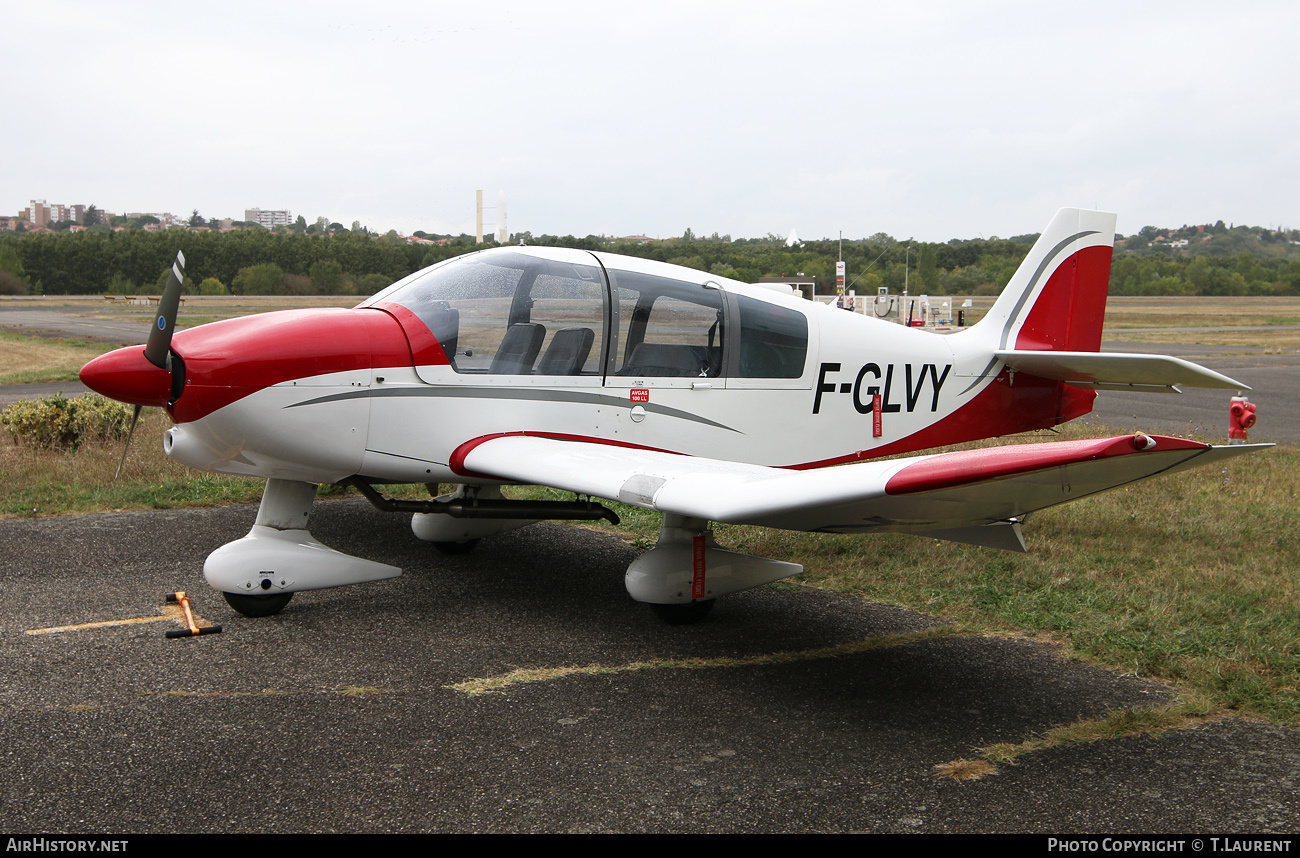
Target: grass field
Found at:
x=28, y=360
x=1249, y=340
x=1186, y=312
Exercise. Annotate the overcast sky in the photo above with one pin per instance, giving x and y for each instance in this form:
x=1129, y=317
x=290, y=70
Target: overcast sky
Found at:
x=927, y=119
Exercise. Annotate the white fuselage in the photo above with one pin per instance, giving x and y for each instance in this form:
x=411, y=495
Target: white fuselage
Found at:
x=865, y=387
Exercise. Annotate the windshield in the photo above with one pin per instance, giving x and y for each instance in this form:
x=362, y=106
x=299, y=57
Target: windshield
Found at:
x=510, y=312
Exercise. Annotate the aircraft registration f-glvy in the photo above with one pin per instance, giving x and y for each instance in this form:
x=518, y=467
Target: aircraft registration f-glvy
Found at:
x=662, y=387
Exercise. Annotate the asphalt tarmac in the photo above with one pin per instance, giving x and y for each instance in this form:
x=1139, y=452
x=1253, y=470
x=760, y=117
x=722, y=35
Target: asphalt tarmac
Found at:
x=1274, y=380
x=342, y=714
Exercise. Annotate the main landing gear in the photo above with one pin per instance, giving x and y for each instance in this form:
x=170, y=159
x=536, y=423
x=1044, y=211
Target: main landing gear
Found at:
x=686, y=571
x=453, y=535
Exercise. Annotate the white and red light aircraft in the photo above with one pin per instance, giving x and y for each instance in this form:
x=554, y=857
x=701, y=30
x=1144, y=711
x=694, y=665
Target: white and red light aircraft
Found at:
x=654, y=385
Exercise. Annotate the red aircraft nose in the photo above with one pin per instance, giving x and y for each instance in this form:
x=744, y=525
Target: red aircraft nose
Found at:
x=127, y=376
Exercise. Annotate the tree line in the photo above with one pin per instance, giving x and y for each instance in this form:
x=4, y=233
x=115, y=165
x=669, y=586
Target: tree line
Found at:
x=1217, y=260
x=131, y=262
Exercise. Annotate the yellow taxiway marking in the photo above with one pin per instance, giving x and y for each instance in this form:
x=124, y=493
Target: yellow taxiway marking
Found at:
x=170, y=613
x=495, y=684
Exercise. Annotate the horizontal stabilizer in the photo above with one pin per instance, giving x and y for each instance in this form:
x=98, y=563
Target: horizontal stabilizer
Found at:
x=1114, y=370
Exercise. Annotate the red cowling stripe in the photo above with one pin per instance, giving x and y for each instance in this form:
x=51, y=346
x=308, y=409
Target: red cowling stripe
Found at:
x=228, y=360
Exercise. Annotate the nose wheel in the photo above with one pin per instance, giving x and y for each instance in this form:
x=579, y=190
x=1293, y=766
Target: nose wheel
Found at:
x=258, y=606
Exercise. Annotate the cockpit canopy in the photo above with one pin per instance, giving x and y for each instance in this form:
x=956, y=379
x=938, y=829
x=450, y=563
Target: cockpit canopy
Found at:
x=561, y=312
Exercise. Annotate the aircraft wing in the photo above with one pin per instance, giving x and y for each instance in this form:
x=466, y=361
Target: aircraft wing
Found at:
x=975, y=496
x=1116, y=370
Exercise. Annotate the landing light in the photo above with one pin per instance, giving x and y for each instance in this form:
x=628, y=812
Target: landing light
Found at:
x=1143, y=442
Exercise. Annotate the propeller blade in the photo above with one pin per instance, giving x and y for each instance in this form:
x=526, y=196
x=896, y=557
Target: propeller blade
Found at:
x=160, y=335
x=135, y=415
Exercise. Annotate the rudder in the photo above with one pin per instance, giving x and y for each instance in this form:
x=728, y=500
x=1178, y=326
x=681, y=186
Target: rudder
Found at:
x=1056, y=300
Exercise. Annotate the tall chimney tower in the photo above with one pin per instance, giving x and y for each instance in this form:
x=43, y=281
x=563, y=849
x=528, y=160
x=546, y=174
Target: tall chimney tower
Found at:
x=478, y=217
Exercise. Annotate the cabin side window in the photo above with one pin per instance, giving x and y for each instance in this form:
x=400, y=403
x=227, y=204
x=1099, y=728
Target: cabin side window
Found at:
x=773, y=340
x=667, y=328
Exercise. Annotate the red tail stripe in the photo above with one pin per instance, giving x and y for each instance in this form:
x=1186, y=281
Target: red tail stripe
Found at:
x=1068, y=313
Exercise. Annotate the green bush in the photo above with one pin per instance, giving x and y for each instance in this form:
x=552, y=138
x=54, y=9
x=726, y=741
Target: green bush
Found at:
x=64, y=424
x=261, y=279
x=119, y=285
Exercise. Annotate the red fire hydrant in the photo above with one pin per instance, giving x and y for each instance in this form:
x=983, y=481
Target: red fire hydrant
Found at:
x=1241, y=416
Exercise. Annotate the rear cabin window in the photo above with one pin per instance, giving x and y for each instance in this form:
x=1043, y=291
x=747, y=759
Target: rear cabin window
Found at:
x=667, y=328
x=773, y=340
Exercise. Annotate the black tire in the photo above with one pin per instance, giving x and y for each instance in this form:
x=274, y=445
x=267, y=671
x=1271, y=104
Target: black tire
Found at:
x=454, y=548
x=684, y=614
x=258, y=606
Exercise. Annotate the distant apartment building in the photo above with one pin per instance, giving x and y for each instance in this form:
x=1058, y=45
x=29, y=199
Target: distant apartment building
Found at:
x=41, y=213
x=37, y=214
x=269, y=218
x=60, y=213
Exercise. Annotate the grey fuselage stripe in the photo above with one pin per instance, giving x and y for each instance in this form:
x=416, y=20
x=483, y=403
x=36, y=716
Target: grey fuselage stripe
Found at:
x=549, y=395
x=1014, y=315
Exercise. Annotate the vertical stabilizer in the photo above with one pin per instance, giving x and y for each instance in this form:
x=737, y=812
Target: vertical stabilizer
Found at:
x=1056, y=300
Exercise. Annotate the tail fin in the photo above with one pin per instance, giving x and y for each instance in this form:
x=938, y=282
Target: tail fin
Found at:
x=1056, y=300
x=1047, y=322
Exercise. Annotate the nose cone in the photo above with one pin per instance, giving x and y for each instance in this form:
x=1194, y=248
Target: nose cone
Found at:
x=127, y=376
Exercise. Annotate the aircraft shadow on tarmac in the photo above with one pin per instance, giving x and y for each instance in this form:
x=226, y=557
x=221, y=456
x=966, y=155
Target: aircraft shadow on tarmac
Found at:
x=338, y=714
